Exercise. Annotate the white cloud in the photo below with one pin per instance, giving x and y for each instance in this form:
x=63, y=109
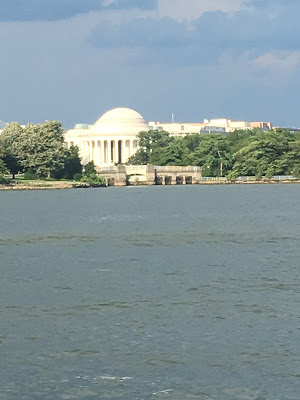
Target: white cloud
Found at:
x=193, y=9
x=284, y=63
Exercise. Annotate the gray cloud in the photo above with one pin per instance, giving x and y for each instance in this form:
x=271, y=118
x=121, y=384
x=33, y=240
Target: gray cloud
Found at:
x=206, y=38
x=50, y=10
x=45, y=77
x=129, y=4
x=271, y=3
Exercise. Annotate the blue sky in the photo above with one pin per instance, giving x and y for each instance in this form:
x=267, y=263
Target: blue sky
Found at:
x=73, y=60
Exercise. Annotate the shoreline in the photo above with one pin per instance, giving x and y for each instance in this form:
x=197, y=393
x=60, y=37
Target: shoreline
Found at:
x=56, y=185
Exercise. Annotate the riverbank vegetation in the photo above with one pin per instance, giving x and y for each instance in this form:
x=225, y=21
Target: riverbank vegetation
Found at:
x=241, y=152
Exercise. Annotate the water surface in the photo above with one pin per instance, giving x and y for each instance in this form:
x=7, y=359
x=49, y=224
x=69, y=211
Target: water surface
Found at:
x=150, y=293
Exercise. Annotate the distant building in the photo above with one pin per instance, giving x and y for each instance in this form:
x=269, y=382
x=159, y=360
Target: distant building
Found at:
x=220, y=125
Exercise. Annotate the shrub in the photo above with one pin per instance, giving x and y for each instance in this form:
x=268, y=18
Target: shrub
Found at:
x=89, y=169
x=94, y=179
x=29, y=174
x=3, y=167
x=3, y=180
x=77, y=177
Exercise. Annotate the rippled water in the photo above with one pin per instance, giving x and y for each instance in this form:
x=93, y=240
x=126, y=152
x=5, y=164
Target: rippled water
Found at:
x=150, y=293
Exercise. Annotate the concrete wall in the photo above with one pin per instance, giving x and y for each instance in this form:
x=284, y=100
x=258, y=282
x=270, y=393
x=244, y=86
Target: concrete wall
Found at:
x=122, y=175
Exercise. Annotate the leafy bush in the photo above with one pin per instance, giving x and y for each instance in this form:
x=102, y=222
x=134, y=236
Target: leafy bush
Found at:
x=3, y=167
x=89, y=169
x=3, y=180
x=77, y=177
x=29, y=174
x=94, y=179
x=296, y=171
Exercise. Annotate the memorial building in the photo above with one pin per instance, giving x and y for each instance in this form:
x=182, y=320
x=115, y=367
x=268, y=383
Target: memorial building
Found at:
x=111, y=140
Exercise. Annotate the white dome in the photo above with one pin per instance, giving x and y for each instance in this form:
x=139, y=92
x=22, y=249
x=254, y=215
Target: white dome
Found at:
x=121, y=115
x=121, y=121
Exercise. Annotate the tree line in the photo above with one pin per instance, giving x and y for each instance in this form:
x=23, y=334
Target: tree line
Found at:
x=241, y=152
x=39, y=151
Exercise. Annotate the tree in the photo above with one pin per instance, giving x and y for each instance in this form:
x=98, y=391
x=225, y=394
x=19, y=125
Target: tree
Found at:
x=72, y=164
x=89, y=168
x=270, y=153
x=213, y=155
x=150, y=143
x=174, y=154
x=3, y=167
x=9, y=142
x=41, y=148
x=141, y=157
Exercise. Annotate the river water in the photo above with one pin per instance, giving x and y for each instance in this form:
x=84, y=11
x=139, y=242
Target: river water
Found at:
x=150, y=293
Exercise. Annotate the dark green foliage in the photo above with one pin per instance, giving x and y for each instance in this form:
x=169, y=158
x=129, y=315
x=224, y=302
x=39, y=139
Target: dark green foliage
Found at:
x=3, y=167
x=94, y=179
x=89, y=169
x=3, y=170
x=4, y=180
x=8, y=147
x=77, y=177
x=141, y=157
x=12, y=163
x=242, y=152
x=72, y=164
x=151, y=144
x=29, y=174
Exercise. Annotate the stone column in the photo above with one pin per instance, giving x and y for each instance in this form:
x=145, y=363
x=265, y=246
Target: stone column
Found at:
x=109, y=152
x=102, y=152
x=123, y=151
x=131, y=148
x=96, y=153
x=86, y=149
x=91, y=150
x=116, y=152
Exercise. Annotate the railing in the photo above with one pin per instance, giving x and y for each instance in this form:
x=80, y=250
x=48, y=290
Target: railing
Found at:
x=213, y=178
x=274, y=178
x=107, y=169
x=133, y=168
x=176, y=168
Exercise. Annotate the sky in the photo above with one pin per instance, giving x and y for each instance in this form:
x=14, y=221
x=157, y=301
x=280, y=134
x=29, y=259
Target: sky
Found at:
x=72, y=60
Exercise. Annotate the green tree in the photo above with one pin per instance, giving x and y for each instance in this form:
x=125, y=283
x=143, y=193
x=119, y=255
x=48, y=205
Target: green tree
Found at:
x=213, y=155
x=9, y=142
x=270, y=153
x=141, y=157
x=173, y=154
x=72, y=164
x=41, y=148
x=151, y=143
x=3, y=167
x=89, y=169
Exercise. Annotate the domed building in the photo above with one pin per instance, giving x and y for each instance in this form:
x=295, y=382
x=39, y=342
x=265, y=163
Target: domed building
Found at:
x=112, y=139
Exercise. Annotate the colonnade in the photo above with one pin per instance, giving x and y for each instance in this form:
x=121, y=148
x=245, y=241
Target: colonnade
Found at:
x=107, y=152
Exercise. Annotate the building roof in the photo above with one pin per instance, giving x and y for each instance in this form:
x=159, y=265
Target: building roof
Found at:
x=116, y=122
x=121, y=115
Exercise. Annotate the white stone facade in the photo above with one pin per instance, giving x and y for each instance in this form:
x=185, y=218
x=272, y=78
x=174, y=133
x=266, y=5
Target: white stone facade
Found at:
x=111, y=140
